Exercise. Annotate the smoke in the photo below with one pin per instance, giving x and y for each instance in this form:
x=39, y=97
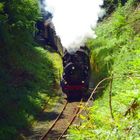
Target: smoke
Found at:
x=73, y=20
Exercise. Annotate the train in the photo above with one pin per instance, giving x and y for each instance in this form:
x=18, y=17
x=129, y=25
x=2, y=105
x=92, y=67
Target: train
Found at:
x=76, y=73
x=76, y=66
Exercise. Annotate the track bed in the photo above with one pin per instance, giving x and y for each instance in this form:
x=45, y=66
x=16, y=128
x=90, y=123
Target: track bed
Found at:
x=63, y=121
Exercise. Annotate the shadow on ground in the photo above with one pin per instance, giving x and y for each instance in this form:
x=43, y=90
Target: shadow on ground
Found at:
x=49, y=116
x=26, y=79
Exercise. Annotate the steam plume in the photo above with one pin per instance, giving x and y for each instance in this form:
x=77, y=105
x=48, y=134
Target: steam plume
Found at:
x=73, y=20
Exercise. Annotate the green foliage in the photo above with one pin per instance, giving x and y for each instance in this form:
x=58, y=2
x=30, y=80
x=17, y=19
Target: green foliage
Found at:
x=28, y=80
x=17, y=20
x=115, y=52
x=28, y=75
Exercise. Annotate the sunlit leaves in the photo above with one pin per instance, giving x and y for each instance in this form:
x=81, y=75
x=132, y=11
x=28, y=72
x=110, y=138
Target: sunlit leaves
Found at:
x=116, y=50
x=1, y=7
x=17, y=19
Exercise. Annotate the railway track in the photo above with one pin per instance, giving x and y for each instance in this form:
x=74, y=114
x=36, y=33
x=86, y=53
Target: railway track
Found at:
x=63, y=121
x=68, y=115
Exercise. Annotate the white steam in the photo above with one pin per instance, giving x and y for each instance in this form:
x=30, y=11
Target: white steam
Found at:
x=73, y=19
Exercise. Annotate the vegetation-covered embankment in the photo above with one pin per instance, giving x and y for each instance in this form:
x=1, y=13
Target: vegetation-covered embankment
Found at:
x=28, y=74
x=116, y=54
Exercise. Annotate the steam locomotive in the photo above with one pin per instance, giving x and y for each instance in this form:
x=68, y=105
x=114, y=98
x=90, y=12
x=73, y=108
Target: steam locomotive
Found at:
x=76, y=66
x=75, y=78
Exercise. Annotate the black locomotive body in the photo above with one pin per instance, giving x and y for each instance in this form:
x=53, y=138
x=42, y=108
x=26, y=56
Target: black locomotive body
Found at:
x=75, y=78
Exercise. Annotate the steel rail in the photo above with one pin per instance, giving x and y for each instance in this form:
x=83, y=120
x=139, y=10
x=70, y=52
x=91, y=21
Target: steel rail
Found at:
x=72, y=120
x=55, y=121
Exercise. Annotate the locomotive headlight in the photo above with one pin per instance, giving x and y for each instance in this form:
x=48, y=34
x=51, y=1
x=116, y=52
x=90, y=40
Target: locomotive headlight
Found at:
x=83, y=81
x=73, y=68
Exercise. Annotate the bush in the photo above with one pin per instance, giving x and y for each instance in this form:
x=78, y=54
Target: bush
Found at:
x=115, y=52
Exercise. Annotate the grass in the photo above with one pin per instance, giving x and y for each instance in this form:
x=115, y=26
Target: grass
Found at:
x=115, y=52
x=28, y=80
x=28, y=74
